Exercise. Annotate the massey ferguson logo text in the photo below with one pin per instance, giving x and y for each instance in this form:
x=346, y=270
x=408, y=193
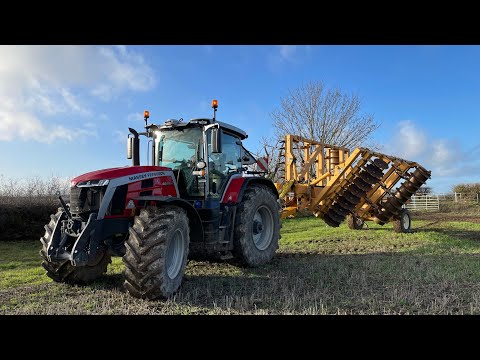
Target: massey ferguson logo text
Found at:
x=145, y=175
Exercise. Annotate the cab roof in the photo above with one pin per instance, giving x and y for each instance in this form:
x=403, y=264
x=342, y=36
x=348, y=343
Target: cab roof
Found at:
x=173, y=123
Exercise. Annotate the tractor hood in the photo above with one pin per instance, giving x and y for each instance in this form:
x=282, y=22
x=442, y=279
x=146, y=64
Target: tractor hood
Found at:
x=117, y=172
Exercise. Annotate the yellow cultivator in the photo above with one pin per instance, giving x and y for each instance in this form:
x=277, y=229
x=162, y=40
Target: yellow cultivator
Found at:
x=334, y=183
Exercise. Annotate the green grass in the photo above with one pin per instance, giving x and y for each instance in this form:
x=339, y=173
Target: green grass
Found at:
x=317, y=270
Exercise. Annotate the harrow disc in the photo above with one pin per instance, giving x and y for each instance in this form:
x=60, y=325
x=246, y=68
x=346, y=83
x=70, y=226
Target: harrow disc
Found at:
x=339, y=210
x=421, y=175
x=347, y=195
x=389, y=207
x=380, y=163
x=374, y=170
x=411, y=186
x=402, y=196
x=405, y=191
x=334, y=216
x=329, y=221
x=355, y=190
x=369, y=179
x=345, y=204
x=383, y=217
x=398, y=203
x=362, y=184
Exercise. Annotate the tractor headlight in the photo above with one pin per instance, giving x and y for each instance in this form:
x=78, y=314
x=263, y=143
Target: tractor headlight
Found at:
x=90, y=183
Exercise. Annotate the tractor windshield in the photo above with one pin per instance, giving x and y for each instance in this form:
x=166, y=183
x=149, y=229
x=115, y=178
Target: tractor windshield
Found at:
x=179, y=148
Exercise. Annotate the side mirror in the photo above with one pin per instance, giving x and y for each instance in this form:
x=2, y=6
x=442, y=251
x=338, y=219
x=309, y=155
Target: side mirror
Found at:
x=133, y=148
x=216, y=140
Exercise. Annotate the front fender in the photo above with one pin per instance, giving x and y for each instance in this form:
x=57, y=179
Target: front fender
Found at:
x=196, y=227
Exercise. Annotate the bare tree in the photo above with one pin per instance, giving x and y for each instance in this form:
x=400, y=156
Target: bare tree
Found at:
x=326, y=115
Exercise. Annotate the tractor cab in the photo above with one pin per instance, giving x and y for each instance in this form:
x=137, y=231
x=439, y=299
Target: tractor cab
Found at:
x=203, y=153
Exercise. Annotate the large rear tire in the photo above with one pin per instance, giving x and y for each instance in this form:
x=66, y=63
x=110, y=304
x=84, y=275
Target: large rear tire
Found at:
x=63, y=270
x=257, y=226
x=157, y=252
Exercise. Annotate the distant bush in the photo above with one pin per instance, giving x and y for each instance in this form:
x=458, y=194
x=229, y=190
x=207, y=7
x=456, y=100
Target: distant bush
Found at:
x=472, y=188
x=459, y=207
x=26, y=205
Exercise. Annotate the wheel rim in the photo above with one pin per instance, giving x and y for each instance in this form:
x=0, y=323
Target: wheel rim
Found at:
x=262, y=228
x=359, y=222
x=406, y=221
x=174, y=258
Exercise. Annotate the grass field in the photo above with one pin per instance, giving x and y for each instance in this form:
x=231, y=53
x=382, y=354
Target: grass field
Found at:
x=317, y=270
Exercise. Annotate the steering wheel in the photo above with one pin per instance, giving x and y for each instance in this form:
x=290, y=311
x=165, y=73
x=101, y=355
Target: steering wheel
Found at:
x=231, y=169
x=216, y=172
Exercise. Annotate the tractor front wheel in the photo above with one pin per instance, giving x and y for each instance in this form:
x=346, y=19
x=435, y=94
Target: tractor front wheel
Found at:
x=157, y=251
x=257, y=226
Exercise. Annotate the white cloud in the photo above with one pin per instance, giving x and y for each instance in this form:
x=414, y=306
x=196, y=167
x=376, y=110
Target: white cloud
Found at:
x=14, y=125
x=409, y=141
x=448, y=161
x=43, y=81
x=135, y=117
x=103, y=117
x=287, y=52
x=125, y=70
x=119, y=136
x=283, y=55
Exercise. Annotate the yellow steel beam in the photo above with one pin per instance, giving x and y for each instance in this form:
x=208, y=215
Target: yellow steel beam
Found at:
x=306, y=166
x=291, y=210
x=328, y=188
x=322, y=177
x=289, y=158
x=309, y=163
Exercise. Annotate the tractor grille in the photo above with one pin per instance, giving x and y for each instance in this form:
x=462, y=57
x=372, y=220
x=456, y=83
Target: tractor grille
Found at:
x=86, y=199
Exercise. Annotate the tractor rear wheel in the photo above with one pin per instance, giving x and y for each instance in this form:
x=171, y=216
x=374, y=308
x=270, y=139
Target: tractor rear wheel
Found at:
x=63, y=270
x=354, y=222
x=157, y=251
x=257, y=226
x=404, y=222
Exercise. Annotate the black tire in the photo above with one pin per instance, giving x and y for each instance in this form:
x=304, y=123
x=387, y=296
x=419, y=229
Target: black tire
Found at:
x=403, y=224
x=157, y=252
x=257, y=226
x=63, y=270
x=354, y=223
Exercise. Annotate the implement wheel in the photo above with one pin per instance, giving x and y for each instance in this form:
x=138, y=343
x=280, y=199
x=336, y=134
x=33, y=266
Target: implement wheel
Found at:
x=404, y=223
x=354, y=223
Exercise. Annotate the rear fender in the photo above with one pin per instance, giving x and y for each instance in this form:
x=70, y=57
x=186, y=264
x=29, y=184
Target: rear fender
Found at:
x=237, y=185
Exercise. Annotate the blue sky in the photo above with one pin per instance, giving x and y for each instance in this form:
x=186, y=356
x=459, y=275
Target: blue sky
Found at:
x=65, y=110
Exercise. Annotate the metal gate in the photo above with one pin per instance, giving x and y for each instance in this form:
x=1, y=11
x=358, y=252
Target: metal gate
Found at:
x=424, y=203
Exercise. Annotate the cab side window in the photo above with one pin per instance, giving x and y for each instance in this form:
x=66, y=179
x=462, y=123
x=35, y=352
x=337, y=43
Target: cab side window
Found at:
x=221, y=165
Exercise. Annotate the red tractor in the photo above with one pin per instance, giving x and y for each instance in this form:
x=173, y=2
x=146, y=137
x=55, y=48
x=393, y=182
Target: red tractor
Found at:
x=196, y=199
